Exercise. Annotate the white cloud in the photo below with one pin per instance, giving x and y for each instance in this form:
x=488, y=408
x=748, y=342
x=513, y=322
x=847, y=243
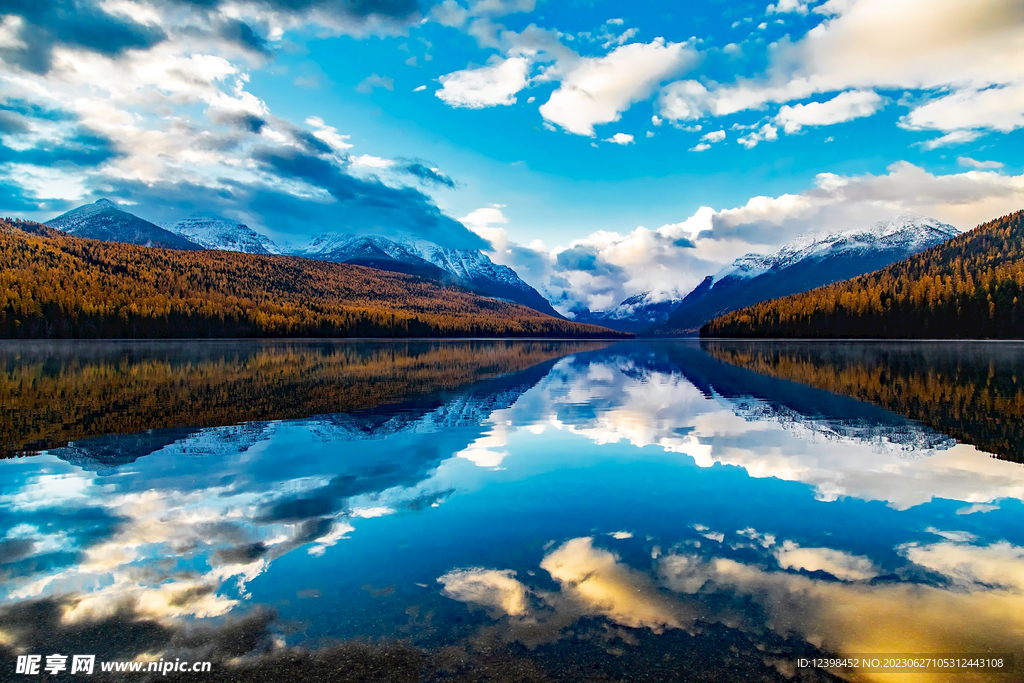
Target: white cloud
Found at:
x=10, y=31
x=486, y=217
x=650, y=405
x=419, y=88
x=972, y=567
x=998, y=108
x=713, y=136
x=789, y=6
x=839, y=564
x=486, y=86
x=368, y=161
x=843, y=107
x=603, y=585
x=957, y=137
x=329, y=134
x=974, y=163
x=497, y=590
x=972, y=50
x=766, y=132
x=620, y=139
x=596, y=90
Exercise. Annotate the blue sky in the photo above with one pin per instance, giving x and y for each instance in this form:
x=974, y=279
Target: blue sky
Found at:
x=659, y=140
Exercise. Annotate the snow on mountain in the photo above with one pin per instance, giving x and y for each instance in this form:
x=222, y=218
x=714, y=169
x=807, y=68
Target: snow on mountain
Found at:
x=105, y=220
x=467, y=264
x=633, y=313
x=803, y=264
x=212, y=232
x=373, y=252
x=466, y=267
x=907, y=232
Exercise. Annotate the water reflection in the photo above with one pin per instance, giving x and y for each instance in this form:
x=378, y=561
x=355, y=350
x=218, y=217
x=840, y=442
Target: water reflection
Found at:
x=538, y=512
x=971, y=391
x=56, y=392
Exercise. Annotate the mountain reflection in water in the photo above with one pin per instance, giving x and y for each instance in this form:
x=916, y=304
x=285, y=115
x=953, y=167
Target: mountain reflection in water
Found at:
x=500, y=511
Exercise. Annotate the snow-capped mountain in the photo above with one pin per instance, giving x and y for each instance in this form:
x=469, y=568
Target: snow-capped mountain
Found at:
x=632, y=314
x=212, y=232
x=370, y=251
x=469, y=268
x=803, y=264
x=908, y=232
x=105, y=220
x=465, y=267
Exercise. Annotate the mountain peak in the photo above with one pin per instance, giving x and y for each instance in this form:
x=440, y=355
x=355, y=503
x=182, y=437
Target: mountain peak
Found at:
x=105, y=220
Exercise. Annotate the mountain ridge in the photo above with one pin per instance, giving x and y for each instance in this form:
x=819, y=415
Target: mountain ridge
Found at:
x=807, y=262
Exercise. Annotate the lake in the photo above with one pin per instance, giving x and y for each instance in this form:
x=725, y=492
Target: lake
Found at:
x=512, y=510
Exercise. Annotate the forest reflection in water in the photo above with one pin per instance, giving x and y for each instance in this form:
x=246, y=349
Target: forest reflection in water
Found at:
x=56, y=392
x=517, y=511
x=972, y=391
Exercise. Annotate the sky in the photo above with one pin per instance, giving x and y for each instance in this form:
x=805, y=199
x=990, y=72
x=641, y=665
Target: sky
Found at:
x=601, y=148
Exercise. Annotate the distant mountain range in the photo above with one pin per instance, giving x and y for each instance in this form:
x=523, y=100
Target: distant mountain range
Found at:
x=633, y=314
x=801, y=265
x=468, y=268
x=805, y=263
x=970, y=287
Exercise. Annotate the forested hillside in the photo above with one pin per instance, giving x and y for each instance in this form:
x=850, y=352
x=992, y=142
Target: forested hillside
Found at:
x=57, y=286
x=969, y=287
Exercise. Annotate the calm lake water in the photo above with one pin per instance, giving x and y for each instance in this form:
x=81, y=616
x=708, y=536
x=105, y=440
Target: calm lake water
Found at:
x=521, y=511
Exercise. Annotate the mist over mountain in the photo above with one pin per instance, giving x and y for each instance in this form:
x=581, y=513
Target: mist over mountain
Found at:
x=803, y=264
